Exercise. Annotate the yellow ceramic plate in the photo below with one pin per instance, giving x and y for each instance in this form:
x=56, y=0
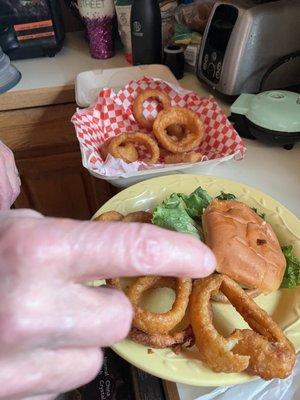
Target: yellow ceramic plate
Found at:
x=284, y=305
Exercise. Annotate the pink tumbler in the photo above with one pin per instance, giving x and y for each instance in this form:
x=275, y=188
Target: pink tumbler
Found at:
x=99, y=17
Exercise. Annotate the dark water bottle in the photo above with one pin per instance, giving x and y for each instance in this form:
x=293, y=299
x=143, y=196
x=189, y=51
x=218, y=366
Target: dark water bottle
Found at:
x=146, y=32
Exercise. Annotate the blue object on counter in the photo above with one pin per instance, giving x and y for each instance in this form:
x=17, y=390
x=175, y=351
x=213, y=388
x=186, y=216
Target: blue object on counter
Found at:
x=9, y=75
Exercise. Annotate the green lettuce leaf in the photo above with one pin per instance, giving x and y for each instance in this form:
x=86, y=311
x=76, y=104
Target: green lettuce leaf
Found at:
x=182, y=213
x=291, y=277
x=262, y=215
x=226, y=196
x=196, y=202
x=173, y=214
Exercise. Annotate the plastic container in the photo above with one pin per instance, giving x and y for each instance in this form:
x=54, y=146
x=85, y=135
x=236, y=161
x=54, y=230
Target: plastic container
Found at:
x=87, y=86
x=9, y=75
x=124, y=182
x=89, y=83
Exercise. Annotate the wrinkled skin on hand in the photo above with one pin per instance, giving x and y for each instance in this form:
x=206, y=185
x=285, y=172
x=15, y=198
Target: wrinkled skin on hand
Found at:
x=52, y=326
x=9, y=178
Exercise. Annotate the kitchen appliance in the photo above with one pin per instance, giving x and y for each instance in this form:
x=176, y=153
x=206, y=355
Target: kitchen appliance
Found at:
x=9, y=75
x=273, y=117
x=30, y=28
x=250, y=48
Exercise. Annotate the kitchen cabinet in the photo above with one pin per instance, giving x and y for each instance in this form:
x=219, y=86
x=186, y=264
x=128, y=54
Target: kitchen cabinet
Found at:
x=35, y=123
x=49, y=162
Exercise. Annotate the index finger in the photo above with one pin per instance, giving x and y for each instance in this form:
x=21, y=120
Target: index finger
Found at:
x=97, y=250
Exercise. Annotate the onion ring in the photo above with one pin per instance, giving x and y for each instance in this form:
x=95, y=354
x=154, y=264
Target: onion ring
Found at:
x=219, y=297
x=136, y=138
x=194, y=129
x=127, y=151
x=138, y=216
x=162, y=97
x=215, y=350
x=159, y=341
x=109, y=216
x=114, y=283
x=181, y=158
x=176, y=131
x=267, y=359
x=153, y=323
x=234, y=353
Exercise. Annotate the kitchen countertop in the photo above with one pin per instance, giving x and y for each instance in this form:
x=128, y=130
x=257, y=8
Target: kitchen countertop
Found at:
x=62, y=69
x=273, y=170
x=270, y=169
x=59, y=72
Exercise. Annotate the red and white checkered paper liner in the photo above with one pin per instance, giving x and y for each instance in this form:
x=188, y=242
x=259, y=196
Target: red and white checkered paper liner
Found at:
x=112, y=115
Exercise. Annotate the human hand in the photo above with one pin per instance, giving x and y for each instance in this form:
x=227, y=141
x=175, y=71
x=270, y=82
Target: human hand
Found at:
x=51, y=325
x=9, y=178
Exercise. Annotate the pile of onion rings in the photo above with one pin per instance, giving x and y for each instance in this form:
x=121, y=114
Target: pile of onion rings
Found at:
x=263, y=350
x=152, y=329
x=178, y=131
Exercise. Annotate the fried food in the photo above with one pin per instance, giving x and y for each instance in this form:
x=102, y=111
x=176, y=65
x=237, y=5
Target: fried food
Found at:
x=194, y=129
x=110, y=216
x=176, y=131
x=214, y=349
x=156, y=94
x=153, y=323
x=219, y=297
x=127, y=151
x=154, y=330
x=265, y=350
x=181, y=158
x=267, y=359
x=136, y=138
x=114, y=283
x=160, y=341
x=138, y=216
x=246, y=247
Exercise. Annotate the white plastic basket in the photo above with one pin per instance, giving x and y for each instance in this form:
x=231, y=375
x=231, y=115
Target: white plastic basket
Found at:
x=87, y=86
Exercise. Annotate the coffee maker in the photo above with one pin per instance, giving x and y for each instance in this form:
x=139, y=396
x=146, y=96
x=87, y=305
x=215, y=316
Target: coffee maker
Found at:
x=30, y=28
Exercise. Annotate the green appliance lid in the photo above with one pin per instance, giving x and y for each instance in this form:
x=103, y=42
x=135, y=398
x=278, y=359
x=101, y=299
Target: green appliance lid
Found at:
x=276, y=110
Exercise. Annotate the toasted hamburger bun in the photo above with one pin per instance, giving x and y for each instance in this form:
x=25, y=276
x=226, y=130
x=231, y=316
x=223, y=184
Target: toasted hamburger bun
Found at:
x=245, y=246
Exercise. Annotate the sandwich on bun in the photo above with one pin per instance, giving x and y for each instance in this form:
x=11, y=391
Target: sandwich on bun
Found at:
x=246, y=247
